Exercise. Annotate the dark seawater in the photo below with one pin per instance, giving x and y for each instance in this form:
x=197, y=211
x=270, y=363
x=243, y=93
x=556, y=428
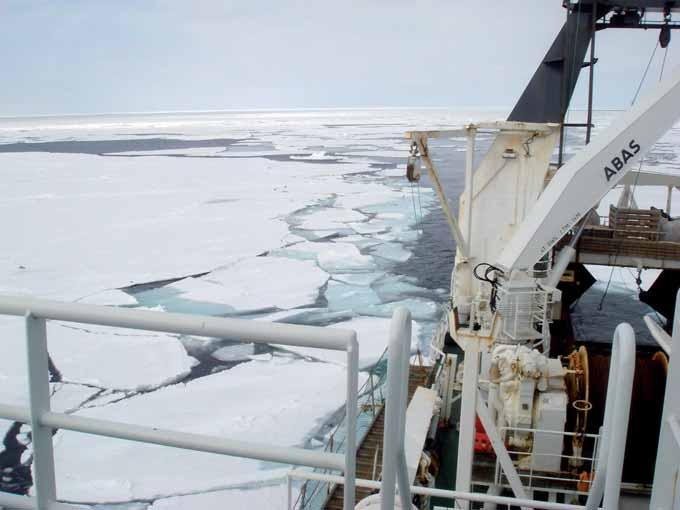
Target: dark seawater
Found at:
x=114, y=146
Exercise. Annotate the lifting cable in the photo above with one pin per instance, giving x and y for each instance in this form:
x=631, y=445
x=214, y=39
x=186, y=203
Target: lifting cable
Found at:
x=637, y=176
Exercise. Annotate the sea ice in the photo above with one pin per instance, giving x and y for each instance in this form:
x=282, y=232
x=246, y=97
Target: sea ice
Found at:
x=268, y=497
x=116, y=358
x=341, y=257
x=356, y=278
x=111, y=297
x=369, y=227
x=236, y=352
x=341, y=296
x=290, y=315
x=135, y=220
x=13, y=363
x=369, y=195
x=421, y=309
x=307, y=250
x=329, y=219
x=372, y=335
x=257, y=283
x=67, y=398
x=359, y=240
x=392, y=251
x=277, y=402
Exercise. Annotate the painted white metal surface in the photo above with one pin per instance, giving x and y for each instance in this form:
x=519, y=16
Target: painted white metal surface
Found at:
x=39, y=398
x=501, y=452
x=43, y=421
x=504, y=186
x=418, y=418
x=395, y=471
x=666, y=487
x=456, y=497
x=662, y=338
x=468, y=409
x=590, y=174
x=609, y=469
x=636, y=179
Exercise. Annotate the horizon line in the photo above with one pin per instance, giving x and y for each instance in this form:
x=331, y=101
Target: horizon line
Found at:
x=268, y=110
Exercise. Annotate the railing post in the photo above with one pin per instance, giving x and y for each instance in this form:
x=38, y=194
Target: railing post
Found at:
x=39, y=398
x=668, y=456
x=615, y=428
x=289, y=484
x=370, y=377
x=394, y=461
x=349, y=494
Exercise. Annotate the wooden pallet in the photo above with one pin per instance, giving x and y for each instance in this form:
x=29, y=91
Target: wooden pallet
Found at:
x=641, y=248
x=634, y=223
x=372, y=444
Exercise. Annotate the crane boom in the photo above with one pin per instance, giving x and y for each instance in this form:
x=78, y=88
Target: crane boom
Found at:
x=589, y=175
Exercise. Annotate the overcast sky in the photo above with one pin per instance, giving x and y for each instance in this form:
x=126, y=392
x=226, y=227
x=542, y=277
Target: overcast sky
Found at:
x=89, y=56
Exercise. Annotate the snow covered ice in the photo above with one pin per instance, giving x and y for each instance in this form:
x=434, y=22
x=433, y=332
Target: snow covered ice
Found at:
x=266, y=402
x=115, y=358
x=289, y=220
x=257, y=283
x=372, y=336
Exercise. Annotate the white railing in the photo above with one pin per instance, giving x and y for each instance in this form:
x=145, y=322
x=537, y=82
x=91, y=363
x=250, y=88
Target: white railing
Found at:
x=523, y=458
x=609, y=469
x=609, y=466
x=665, y=493
x=474, y=497
x=43, y=421
x=314, y=494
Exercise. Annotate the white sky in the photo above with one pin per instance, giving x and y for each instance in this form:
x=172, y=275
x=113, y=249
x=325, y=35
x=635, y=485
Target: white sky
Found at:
x=88, y=56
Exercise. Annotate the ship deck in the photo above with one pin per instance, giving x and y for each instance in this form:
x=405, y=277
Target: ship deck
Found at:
x=601, y=246
x=369, y=453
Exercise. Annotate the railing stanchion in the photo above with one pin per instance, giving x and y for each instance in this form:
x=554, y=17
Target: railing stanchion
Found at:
x=349, y=495
x=39, y=398
x=394, y=467
x=290, y=492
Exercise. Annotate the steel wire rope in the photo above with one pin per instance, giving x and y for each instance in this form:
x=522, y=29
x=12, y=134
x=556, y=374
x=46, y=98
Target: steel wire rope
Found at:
x=637, y=176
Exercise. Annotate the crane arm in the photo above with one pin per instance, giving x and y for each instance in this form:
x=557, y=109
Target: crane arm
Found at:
x=580, y=184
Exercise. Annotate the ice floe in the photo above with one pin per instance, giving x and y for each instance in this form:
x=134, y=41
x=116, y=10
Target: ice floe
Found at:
x=357, y=278
x=67, y=398
x=257, y=283
x=341, y=257
x=421, y=309
x=236, y=352
x=268, y=497
x=115, y=358
x=278, y=402
x=392, y=251
x=341, y=296
x=329, y=219
x=112, y=297
x=373, y=338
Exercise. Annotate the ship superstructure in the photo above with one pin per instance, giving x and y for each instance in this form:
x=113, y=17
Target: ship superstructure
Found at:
x=527, y=223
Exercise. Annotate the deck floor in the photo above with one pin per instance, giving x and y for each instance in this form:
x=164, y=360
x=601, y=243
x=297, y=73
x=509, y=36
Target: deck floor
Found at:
x=370, y=449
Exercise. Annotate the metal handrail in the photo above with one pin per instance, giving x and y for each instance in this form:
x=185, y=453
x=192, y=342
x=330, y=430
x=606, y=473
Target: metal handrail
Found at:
x=395, y=470
x=609, y=469
x=530, y=472
x=476, y=497
x=43, y=421
x=368, y=388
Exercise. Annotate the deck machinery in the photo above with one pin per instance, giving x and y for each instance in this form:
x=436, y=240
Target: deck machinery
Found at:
x=524, y=228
